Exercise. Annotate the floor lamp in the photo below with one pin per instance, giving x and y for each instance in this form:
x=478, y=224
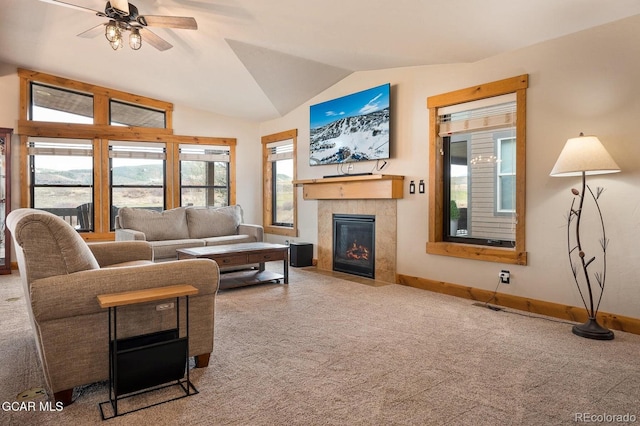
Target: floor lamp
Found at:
x=583, y=156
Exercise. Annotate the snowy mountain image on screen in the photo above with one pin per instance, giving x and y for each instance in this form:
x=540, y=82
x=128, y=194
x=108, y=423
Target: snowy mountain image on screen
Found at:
x=353, y=128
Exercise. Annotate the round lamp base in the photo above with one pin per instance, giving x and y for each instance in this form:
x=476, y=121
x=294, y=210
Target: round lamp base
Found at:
x=592, y=330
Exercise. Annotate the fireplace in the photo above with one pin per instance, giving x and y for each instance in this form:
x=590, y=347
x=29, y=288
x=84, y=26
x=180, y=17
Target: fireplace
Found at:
x=354, y=244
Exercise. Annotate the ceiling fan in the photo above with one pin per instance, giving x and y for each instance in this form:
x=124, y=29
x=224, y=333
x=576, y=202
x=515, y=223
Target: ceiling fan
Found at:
x=124, y=16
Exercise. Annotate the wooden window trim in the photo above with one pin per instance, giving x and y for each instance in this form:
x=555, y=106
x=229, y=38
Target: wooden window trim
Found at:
x=436, y=244
x=101, y=133
x=267, y=168
x=101, y=96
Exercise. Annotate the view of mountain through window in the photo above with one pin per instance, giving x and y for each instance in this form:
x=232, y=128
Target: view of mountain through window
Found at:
x=283, y=192
x=61, y=177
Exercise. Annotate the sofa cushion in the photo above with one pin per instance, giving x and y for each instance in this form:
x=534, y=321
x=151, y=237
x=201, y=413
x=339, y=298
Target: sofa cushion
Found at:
x=167, y=225
x=213, y=222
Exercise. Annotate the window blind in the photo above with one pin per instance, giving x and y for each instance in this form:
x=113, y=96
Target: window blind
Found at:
x=485, y=114
x=204, y=153
x=281, y=150
x=66, y=147
x=146, y=150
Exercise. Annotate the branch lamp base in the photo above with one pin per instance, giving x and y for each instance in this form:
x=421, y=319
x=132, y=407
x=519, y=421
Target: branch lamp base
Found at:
x=592, y=330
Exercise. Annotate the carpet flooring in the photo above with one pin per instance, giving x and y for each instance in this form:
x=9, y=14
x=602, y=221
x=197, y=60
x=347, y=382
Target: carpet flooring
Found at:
x=329, y=351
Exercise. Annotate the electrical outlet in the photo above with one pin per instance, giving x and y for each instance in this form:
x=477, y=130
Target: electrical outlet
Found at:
x=505, y=276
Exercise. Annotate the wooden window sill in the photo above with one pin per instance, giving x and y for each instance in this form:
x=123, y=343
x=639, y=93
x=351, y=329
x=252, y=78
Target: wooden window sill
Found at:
x=476, y=252
x=281, y=230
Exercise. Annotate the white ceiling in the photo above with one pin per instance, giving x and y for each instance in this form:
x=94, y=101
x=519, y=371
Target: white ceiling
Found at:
x=259, y=59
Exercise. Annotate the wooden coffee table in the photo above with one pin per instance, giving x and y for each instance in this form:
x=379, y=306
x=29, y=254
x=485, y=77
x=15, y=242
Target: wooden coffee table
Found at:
x=243, y=254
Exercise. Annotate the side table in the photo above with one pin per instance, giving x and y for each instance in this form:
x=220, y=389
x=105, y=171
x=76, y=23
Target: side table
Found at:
x=140, y=364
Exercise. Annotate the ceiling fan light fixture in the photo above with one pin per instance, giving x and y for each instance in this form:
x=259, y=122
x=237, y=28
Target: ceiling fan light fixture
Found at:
x=123, y=16
x=135, y=39
x=111, y=31
x=117, y=42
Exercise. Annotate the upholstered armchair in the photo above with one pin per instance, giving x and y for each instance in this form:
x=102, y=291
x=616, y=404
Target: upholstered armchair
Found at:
x=62, y=275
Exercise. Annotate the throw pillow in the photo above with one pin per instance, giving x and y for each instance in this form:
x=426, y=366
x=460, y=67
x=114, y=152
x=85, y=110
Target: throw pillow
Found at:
x=157, y=226
x=213, y=222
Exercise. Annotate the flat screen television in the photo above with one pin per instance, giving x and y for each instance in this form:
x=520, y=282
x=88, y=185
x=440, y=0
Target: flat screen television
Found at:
x=351, y=128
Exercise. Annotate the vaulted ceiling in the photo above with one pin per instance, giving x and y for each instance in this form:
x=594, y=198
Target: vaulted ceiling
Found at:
x=259, y=59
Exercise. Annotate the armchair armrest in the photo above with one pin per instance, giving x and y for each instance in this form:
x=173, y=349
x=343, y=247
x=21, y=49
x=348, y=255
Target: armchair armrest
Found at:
x=125, y=234
x=257, y=231
x=76, y=294
x=111, y=253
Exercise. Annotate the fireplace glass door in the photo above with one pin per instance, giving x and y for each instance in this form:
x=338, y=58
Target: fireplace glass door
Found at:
x=354, y=244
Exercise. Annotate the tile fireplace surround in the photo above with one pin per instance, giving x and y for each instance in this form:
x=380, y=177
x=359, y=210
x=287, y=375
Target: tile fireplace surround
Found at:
x=385, y=239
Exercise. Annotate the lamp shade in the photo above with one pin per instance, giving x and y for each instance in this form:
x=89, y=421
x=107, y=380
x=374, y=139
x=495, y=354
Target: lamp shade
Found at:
x=584, y=154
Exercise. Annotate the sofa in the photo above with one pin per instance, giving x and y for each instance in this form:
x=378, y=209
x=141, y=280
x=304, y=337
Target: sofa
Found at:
x=185, y=227
x=62, y=276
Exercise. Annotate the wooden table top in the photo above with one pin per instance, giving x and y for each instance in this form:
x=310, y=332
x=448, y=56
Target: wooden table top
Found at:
x=232, y=248
x=148, y=295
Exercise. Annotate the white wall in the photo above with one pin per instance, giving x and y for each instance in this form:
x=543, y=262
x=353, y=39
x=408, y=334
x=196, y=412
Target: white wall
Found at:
x=586, y=82
x=9, y=114
x=9, y=101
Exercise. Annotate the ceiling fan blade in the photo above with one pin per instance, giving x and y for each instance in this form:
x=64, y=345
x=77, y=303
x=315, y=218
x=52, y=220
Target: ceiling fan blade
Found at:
x=154, y=40
x=93, y=32
x=180, y=22
x=73, y=6
x=121, y=5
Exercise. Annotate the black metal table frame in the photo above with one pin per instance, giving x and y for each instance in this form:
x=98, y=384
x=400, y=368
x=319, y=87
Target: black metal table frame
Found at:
x=185, y=383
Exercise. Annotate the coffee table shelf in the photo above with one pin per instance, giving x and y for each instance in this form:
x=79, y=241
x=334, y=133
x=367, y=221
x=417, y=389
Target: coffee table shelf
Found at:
x=243, y=278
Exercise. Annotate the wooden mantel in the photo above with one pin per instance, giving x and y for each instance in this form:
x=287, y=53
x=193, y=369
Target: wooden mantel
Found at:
x=352, y=187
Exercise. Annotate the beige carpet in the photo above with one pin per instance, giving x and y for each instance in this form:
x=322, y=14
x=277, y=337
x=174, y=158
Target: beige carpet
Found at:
x=325, y=351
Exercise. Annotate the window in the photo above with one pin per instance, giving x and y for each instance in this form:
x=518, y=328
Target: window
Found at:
x=90, y=150
x=62, y=179
x=477, y=150
x=59, y=105
x=479, y=182
x=282, y=190
x=58, y=100
x=279, y=157
x=506, y=172
x=204, y=175
x=137, y=175
x=125, y=114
